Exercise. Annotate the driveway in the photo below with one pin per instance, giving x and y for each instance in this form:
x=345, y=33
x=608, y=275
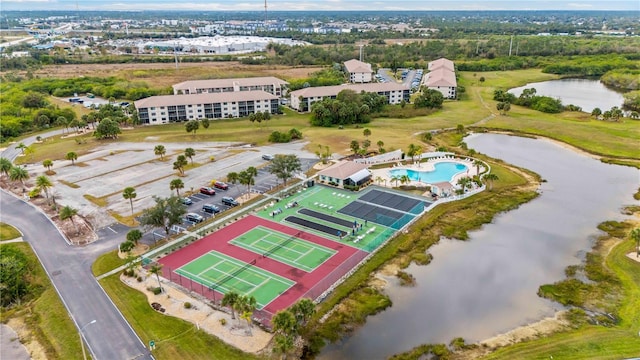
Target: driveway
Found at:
x=110, y=336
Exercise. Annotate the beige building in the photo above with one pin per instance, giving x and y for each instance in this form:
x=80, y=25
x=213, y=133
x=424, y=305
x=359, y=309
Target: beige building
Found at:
x=175, y=108
x=359, y=72
x=269, y=84
x=345, y=173
x=442, y=77
x=301, y=100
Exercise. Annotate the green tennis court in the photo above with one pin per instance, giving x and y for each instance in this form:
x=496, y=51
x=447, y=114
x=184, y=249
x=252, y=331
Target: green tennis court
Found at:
x=223, y=274
x=290, y=250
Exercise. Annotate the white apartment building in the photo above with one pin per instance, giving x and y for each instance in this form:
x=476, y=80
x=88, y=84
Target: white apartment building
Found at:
x=442, y=77
x=301, y=100
x=269, y=84
x=359, y=72
x=175, y=108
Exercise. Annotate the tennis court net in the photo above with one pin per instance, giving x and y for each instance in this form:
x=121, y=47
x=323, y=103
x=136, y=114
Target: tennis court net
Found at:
x=234, y=273
x=278, y=246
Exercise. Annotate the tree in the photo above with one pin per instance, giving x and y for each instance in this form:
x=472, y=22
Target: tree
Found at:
x=246, y=177
x=354, y=146
x=129, y=193
x=230, y=299
x=205, y=123
x=18, y=173
x=464, y=182
x=366, y=133
x=233, y=177
x=190, y=153
x=284, y=166
x=429, y=98
x=380, y=144
x=13, y=277
x=48, y=163
x=134, y=236
x=396, y=178
x=126, y=246
x=5, y=166
x=414, y=151
x=156, y=269
x=160, y=151
x=180, y=163
x=635, y=235
x=323, y=154
x=176, y=184
x=71, y=155
x=67, y=212
x=107, y=129
x=245, y=306
x=303, y=309
x=503, y=107
x=192, y=126
x=164, y=214
x=478, y=164
x=21, y=147
x=490, y=178
x=283, y=344
x=285, y=323
x=43, y=183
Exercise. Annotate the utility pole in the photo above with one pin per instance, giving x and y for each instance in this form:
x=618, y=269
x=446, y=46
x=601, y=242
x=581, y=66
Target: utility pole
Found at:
x=510, y=45
x=265, y=14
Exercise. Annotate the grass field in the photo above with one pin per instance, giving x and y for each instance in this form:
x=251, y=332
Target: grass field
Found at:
x=8, y=232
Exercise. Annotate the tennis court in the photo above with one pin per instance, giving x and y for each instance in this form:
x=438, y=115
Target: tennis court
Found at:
x=287, y=249
x=222, y=273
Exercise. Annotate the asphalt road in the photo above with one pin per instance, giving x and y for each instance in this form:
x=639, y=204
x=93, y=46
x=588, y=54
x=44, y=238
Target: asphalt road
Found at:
x=69, y=268
x=12, y=153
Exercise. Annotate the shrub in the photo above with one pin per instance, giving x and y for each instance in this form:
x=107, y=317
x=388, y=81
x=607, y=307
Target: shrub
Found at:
x=187, y=305
x=223, y=322
x=157, y=290
x=278, y=137
x=139, y=279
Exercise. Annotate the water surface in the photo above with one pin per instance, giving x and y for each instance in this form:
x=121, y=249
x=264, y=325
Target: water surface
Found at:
x=487, y=285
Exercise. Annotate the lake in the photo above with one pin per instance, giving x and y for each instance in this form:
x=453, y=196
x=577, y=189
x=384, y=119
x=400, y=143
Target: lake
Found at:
x=487, y=285
x=586, y=93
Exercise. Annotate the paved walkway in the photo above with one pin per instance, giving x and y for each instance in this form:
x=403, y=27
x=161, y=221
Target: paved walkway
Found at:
x=10, y=345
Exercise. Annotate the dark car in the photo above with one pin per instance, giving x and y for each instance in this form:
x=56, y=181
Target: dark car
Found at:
x=221, y=185
x=186, y=201
x=210, y=208
x=207, y=190
x=229, y=201
x=194, y=218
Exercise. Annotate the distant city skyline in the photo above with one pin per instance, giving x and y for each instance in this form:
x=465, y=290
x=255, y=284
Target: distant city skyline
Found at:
x=325, y=5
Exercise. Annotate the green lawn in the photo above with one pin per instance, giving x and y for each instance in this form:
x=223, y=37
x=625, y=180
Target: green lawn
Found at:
x=175, y=338
x=590, y=341
x=8, y=232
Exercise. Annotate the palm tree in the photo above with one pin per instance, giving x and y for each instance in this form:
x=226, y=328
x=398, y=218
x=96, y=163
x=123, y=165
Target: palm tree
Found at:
x=490, y=178
x=176, y=184
x=232, y=177
x=71, y=156
x=366, y=133
x=180, y=163
x=156, y=269
x=160, y=151
x=129, y=193
x=395, y=178
x=303, y=309
x=379, y=179
x=5, y=166
x=18, y=173
x=190, y=153
x=284, y=323
x=246, y=178
x=48, y=163
x=464, y=182
x=380, y=144
x=230, y=299
x=405, y=179
x=22, y=147
x=478, y=164
x=68, y=212
x=134, y=236
x=43, y=183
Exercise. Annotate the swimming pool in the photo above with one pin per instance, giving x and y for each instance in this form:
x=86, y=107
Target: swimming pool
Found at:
x=444, y=171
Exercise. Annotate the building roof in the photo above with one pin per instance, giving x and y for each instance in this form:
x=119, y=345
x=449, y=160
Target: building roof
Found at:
x=441, y=63
x=221, y=83
x=357, y=66
x=205, y=98
x=343, y=169
x=358, y=88
x=441, y=77
x=360, y=175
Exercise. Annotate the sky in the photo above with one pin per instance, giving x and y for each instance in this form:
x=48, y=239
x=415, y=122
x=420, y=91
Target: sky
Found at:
x=315, y=5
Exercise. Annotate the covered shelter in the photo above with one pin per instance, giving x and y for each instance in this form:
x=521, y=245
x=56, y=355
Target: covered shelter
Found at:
x=345, y=173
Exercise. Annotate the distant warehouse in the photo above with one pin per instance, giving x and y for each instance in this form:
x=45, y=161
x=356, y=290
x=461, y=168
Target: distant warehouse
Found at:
x=270, y=84
x=175, y=108
x=302, y=99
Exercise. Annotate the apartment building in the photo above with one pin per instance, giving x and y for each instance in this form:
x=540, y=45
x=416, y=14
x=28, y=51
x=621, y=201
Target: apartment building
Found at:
x=359, y=72
x=301, y=100
x=269, y=84
x=442, y=77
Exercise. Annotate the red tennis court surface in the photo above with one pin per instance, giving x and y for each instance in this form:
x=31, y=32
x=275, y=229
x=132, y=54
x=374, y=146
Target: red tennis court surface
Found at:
x=309, y=285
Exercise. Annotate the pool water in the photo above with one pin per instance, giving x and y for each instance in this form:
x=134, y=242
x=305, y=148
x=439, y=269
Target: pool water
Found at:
x=444, y=171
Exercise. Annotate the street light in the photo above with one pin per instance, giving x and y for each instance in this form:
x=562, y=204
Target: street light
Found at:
x=84, y=354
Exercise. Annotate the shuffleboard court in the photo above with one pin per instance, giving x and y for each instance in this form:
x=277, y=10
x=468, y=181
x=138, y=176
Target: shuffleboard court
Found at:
x=288, y=249
x=329, y=218
x=223, y=273
x=315, y=226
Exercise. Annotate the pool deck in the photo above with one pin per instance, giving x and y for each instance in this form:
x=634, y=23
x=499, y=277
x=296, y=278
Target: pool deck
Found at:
x=428, y=165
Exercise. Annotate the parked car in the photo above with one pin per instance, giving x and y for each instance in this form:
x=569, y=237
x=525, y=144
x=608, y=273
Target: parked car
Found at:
x=229, y=201
x=221, y=185
x=187, y=201
x=267, y=157
x=210, y=208
x=193, y=217
x=207, y=190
